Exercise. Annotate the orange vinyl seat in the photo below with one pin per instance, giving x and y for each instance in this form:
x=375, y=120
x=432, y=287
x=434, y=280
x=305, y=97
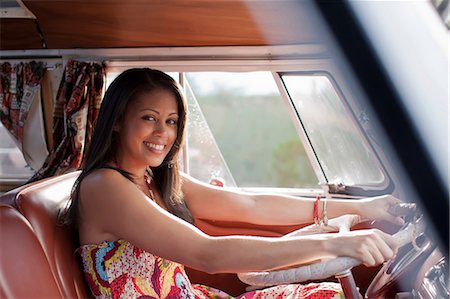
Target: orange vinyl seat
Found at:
x=37, y=256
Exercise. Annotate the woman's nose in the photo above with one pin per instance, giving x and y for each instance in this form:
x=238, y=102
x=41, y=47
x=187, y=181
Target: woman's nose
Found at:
x=160, y=129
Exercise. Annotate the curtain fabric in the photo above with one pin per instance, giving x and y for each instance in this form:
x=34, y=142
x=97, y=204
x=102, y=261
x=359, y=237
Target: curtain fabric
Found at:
x=18, y=87
x=75, y=112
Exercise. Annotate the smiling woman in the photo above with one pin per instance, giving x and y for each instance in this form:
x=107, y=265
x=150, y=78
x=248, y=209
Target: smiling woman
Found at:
x=131, y=172
x=294, y=116
x=131, y=130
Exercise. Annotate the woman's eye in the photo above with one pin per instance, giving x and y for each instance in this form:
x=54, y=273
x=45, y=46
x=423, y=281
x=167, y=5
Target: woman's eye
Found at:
x=148, y=117
x=172, y=122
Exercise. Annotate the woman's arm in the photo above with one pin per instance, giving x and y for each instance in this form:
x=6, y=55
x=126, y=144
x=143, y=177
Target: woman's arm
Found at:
x=113, y=205
x=213, y=203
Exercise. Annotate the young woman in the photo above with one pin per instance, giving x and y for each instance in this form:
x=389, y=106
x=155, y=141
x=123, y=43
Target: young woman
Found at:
x=135, y=211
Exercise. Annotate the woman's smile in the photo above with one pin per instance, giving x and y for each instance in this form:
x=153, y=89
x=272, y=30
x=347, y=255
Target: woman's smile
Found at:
x=156, y=148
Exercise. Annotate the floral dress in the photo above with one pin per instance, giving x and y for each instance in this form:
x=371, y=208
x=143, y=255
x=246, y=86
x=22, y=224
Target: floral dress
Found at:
x=118, y=269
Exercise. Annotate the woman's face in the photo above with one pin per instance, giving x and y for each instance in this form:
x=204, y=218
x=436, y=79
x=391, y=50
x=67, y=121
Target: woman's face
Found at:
x=148, y=129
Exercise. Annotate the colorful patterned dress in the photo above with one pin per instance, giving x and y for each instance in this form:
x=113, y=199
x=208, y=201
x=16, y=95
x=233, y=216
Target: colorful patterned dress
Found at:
x=118, y=269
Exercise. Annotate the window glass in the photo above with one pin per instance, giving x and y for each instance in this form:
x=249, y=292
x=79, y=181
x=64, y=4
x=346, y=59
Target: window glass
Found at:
x=206, y=162
x=252, y=128
x=12, y=163
x=336, y=140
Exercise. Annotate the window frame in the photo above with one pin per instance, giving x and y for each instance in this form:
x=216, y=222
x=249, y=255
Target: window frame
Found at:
x=276, y=59
x=245, y=59
x=364, y=190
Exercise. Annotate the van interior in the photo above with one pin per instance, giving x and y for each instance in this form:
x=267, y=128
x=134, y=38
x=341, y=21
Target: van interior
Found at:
x=291, y=97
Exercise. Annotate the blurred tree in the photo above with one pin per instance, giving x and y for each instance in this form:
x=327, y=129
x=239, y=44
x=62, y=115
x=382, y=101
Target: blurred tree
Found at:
x=291, y=167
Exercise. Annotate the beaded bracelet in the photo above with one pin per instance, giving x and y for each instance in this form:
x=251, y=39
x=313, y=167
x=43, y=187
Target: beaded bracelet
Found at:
x=324, y=212
x=316, y=217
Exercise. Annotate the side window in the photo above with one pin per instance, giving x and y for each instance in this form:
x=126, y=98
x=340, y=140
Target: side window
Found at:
x=205, y=161
x=339, y=146
x=252, y=129
x=12, y=163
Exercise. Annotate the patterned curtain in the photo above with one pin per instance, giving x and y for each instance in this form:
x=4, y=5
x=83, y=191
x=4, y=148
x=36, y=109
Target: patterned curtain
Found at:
x=76, y=110
x=18, y=87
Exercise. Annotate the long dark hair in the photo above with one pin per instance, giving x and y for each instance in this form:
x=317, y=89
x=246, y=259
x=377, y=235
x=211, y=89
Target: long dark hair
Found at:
x=128, y=86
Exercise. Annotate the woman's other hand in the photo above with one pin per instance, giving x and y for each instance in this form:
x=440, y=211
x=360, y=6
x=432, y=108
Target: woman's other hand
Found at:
x=372, y=247
x=377, y=208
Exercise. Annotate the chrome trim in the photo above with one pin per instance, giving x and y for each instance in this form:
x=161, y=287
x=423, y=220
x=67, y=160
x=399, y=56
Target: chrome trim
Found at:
x=176, y=53
x=185, y=149
x=300, y=129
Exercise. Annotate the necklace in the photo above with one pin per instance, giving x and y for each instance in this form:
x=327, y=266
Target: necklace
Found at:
x=147, y=179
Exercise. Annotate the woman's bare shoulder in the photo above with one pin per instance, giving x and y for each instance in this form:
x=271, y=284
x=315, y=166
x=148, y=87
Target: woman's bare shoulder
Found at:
x=103, y=183
x=103, y=177
x=98, y=203
x=106, y=197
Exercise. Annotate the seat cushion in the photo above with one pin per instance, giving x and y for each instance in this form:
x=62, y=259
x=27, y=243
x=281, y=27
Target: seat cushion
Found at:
x=24, y=269
x=38, y=206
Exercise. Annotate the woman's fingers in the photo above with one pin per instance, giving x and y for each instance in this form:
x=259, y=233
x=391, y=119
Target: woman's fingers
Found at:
x=386, y=251
x=371, y=250
x=394, y=219
x=383, y=248
x=391, y=243
x=372, y=247
x=394, y=200
x=398, y=209
x=380, y=208
x=368, y=260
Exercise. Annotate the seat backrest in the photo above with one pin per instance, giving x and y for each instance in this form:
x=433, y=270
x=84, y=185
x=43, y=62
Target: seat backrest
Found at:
x=37, y=255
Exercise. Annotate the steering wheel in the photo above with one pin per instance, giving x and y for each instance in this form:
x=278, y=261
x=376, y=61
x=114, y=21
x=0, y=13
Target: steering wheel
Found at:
x=406, y=262
x=324, y=268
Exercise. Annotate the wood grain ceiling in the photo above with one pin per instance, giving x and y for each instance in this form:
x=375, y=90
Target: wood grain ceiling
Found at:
x=69, y=24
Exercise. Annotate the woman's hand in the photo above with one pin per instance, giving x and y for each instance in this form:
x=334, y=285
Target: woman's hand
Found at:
x=372, y=247
x=377, y=208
